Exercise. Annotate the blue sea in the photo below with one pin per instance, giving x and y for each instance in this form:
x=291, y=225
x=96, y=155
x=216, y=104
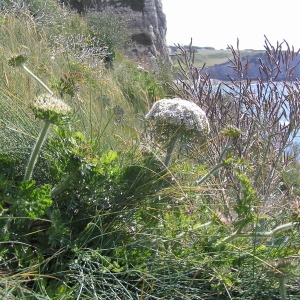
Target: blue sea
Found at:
x=280, y=88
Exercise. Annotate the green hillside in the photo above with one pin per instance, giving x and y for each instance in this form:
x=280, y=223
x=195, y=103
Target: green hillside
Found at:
x=211, y=57
x=216, y=57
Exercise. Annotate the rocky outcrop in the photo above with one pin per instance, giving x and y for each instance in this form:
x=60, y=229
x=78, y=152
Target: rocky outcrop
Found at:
x=147, y=25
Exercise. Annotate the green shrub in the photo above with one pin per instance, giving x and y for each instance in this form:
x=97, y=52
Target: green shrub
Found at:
x=101, y=216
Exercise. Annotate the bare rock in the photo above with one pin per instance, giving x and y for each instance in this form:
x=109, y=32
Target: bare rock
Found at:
x=146, y=22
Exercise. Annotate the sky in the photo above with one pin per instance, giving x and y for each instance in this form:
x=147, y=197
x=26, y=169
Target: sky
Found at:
x=219, y=23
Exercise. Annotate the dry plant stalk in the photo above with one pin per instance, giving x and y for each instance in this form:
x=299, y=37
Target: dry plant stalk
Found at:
x=265, y=111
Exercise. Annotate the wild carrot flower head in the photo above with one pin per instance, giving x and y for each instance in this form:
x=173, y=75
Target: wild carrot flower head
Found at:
x=47, y=107
x=179, y=117
x=179, y=113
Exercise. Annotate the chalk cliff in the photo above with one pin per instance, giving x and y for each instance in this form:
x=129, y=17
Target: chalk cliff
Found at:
x=147, y=24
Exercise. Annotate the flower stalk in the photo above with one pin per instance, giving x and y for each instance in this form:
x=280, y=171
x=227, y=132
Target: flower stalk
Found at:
x=282, y=287
x=52, y=111
x=45, y=107
x=37, y=78
x=239, y=234
x=177, y=118
x=170, y=149
x=19, y=61
x=36, y=150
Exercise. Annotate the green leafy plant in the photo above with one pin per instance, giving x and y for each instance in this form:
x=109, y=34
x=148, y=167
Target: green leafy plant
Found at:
x=102, y=216
x=251, y=203
x=31, y=201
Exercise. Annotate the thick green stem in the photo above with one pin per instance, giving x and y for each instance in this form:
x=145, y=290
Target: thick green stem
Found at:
x=36, y=150
x=282, y=288
x=36, y=78
x=225, y=150
x=218, y=166
x=270, y=233
x=170, y=149
x=55, y=191
x=211, y=172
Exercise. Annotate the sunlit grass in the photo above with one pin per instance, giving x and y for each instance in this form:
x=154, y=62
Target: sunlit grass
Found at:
x=123, y=225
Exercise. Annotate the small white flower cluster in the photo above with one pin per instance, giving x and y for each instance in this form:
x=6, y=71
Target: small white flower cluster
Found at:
x=47, y=102
x=179, y=112
x=47, y=107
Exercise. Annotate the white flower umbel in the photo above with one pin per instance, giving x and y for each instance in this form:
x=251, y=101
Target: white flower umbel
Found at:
x=179, y=112
x=179, y=117
x=51, y=110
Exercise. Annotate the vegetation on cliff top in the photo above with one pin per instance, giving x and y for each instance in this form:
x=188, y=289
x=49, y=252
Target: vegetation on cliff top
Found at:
x=89, y=209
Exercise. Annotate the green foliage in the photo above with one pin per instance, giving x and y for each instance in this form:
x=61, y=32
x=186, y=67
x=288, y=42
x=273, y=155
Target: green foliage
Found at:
x=31, y=202
x=107, y=29
x=59, y=231
x=245, y=206
x=23, y=199
x=103, y=217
